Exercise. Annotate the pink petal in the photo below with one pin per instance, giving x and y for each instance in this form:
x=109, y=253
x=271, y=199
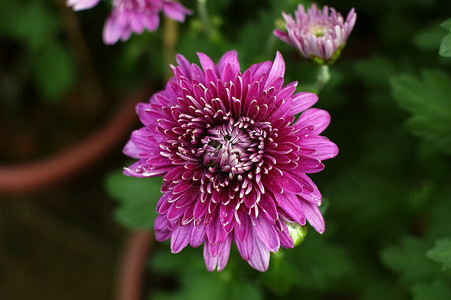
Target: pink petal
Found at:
x=241, y=228
x=259, y=259
x=81, y=4
x=175, y=11
x=112, y=31
x=151, y=22
x=180, y=238
x=310, y=165
x=162, y=229
x=285, y=239
x=206, y=62
x=131, y=149
x=246, y=246
x=184, y=65
x=197, y=236
x=287, y=91
x=141, y=170
x=317, y=118
x=313, y=215
x=282, y=36
x=291, y=205
x=301, y=101
x=323, y=148
x=229, y=58
x=267, y=234
x=277, y=70
x=220, y=260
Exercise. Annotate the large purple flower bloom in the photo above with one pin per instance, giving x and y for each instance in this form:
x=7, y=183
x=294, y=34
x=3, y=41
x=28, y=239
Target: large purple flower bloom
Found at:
x=318, y=35
x=135, y=16
x=233, y=157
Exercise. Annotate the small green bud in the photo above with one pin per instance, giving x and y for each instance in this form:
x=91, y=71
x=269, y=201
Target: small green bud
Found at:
x=297, y=232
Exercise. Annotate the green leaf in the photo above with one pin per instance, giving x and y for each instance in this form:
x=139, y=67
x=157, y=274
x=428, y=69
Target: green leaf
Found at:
x=375, y=71
x=445, y=47
x=408, y=259
x=195, y=283
x=140, y=215
x=427, y=99
x=281, y=276
x=441, y=253
x=138, y=198
x=316, y=264
x=447, y=24
x=429, y=38
x=31, y=23
x=437, y=290
x=54, y=71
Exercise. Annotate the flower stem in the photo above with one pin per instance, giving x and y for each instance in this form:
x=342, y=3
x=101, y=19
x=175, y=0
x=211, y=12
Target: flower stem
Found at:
x=322, y=79
x=203, y=12
x=170, y=35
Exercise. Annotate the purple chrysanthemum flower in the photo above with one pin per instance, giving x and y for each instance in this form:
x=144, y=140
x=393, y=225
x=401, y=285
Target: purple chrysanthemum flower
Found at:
x=318, y=35
x=135, y=16
x=233, y=157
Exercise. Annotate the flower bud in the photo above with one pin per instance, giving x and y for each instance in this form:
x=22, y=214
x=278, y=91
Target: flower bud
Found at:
x=297, y=232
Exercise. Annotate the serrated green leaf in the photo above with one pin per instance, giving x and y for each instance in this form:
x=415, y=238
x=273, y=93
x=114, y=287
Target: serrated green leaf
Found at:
x=447, y=24
x=441, y=253
x=438, y=290
x=375, y=71
x=427, y=99
x=139, y=215
x=445, y=46
x=138, y=198
x=429, y=38
x=131, y=189
x=318, y=263
x=408, y=259
x=281, y=276
x=195, y=283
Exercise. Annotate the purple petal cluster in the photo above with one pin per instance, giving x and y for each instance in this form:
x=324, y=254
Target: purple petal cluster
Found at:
x=129, y=16
x=233, y=158
x=318, y=35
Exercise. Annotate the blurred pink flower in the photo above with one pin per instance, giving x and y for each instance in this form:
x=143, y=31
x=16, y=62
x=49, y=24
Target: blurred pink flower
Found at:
x=318, y=35
x=135, y=16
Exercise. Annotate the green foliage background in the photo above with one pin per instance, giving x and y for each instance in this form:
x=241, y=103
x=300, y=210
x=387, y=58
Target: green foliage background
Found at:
x=389, y=190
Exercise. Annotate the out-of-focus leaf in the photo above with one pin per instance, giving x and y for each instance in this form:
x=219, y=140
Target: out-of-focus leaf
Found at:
x=409, y=260
x=195, y=283
x=54, y=71
x=445, y=47
x=139, y=215
x=447, y=24
x=319, y=263
x=429, y=38
x=138, y=198
x=375, y=71
x=428, y=100
x=438, y=290
x=281, y=276
x=441, y=253
x=31, y=23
